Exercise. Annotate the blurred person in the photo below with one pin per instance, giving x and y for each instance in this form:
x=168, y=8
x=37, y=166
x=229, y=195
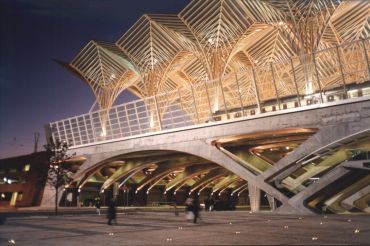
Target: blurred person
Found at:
x=207, y=203
x=211, y=204
x=97, y=205
x=189, y=209
x=195, y=208
x=175, y=208
x=112, y=213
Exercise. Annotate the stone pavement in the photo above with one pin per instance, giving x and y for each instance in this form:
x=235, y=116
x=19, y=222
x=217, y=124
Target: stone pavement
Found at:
x=164, y=228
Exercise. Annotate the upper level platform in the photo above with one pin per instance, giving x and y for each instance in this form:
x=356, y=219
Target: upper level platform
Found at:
x=325, y=78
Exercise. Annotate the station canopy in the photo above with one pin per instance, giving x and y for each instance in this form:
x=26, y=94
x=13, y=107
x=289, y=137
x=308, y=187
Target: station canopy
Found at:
x=212, y=40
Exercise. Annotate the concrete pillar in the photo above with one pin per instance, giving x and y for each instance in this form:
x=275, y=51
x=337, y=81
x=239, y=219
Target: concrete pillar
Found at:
x=115, y=190
x=271, y=201
x=48, y=198
x=254, y=197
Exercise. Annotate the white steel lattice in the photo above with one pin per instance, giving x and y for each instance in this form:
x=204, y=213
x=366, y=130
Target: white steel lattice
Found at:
x=328, y=75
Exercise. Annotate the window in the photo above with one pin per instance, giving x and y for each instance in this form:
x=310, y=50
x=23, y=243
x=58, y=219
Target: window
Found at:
x=26, y=167
x=6, y=196
x=20, y=196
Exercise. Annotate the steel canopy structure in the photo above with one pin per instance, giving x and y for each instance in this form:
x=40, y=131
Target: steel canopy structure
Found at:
x=214, y=40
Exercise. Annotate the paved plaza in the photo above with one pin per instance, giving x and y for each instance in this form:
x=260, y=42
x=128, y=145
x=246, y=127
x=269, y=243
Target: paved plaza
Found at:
x=164, y=228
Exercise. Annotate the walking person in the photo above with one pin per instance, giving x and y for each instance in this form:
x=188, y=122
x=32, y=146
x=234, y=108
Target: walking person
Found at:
x=195, y=209
x=207, y=203
x=189, y=209
x=175, y=208
x=97, y=205
x=211, y=204
x=112, y=212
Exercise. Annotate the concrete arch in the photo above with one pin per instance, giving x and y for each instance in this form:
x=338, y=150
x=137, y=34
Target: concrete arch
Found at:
x=196, y=148
x=208, y=178
x=224, y=183
x=163, y=169
x=124, y=172
x=89, y=168
x=240, y=188
x=189, y=173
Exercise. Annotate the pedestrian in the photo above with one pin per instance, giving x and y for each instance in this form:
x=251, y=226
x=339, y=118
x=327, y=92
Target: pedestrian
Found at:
x=97, y=205
x=112, y=212
x=211, y=204
x=195, y=209
x=175, y=208
x=189, y=209
x=207, y=203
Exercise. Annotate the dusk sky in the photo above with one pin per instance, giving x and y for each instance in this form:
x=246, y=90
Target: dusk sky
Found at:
x=34, y=89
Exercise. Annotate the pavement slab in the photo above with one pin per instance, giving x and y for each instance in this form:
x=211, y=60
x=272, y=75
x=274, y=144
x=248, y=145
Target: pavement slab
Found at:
x=164, y=228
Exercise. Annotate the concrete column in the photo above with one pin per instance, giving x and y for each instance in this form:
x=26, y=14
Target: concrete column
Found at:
x=48, y=198
x=115, y=190
x=272, y=202
x=254, y=197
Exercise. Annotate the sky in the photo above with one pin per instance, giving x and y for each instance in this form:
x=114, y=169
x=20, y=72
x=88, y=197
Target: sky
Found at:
x=34, y=89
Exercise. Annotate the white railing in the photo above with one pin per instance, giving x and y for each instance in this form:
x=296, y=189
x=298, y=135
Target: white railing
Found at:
x=334, y=74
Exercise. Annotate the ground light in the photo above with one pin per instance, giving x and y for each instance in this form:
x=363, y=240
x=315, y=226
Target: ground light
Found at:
x=11, y=242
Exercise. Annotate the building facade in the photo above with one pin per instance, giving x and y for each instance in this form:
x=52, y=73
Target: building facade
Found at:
x=22, y=180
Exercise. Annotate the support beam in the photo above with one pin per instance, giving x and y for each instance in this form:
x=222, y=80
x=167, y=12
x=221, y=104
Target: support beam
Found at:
x=254, y=198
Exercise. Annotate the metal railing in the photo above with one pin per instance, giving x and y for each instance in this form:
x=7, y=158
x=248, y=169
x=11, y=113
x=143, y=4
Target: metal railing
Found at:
x=333, y=74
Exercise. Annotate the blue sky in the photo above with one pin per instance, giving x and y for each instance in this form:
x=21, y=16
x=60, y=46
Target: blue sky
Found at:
x=34, y=89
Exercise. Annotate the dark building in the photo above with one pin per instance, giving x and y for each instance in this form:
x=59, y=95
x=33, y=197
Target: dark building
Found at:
x=22, y=180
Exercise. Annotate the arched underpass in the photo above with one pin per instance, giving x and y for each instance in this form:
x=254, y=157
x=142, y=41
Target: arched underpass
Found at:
x=151, y=177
